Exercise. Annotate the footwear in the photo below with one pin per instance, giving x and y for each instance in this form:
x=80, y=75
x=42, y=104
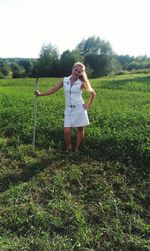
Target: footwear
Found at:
x=68, y=150
x=76, y=149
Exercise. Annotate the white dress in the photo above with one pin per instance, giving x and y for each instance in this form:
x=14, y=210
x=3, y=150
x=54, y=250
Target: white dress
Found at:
x=75, y=113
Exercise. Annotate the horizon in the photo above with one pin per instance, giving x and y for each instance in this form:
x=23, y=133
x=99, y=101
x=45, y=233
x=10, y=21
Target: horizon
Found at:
x=62, y=52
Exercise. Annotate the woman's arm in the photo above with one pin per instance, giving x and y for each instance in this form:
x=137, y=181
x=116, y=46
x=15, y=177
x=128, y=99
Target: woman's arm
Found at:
x=50, y=91
x=91, y=98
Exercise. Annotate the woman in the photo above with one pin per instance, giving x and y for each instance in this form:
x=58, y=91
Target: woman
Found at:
x=75, y=111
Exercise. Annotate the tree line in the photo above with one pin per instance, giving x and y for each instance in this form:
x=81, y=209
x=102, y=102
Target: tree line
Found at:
x=95, y=53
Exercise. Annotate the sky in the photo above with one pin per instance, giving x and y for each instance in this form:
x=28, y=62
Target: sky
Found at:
x=27, y=25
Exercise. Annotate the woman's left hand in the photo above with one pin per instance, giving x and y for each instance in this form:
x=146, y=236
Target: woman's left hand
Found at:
x=86, y=106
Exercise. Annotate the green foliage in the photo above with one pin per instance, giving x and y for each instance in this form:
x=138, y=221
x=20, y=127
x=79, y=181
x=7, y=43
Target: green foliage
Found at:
x=27, y=64
x=94, y=46
x=4, y=69
x=67, y=60
x=134, y=63
x=96, y=199
x=48, y=61
x=97, y=55
x=17, y=70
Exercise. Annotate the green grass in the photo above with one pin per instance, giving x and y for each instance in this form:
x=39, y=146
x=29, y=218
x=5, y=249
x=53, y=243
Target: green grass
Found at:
x=93, y=200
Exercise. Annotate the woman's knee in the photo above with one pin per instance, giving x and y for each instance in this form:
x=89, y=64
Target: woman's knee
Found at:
x=80, y=129
x=67, y=131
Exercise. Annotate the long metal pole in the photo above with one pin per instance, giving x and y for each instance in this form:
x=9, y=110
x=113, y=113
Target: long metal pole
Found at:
x=35, y=114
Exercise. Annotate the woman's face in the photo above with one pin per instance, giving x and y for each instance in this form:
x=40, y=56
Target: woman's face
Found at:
x=77, y=71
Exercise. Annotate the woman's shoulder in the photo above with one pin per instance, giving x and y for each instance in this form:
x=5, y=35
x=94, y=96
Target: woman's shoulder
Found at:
x=66, y=78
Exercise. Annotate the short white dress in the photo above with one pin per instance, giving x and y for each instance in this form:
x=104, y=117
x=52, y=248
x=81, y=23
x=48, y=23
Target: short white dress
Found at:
x=75, y=113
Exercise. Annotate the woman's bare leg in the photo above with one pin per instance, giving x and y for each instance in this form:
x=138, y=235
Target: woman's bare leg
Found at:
x=67, y=137
x=80, y=137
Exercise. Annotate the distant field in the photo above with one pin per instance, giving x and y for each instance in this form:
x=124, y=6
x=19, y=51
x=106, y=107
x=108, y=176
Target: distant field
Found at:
x=94, y=200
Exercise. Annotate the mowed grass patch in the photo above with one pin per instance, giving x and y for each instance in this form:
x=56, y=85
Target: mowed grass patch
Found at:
x=72, y=203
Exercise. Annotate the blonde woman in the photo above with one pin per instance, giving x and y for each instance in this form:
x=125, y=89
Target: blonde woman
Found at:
x=76, y=110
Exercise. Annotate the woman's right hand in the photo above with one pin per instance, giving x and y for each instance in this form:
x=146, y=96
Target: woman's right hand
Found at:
x=37, y=93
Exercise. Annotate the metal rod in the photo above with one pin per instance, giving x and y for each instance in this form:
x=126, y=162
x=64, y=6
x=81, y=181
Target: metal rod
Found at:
x=35, y=114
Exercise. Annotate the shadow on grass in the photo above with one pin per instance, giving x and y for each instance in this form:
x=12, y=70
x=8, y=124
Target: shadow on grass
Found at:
x=110, y=149
x=125, y=150
x=25, y=174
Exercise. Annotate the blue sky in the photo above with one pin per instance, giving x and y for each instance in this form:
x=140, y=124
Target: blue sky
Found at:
x=28, y=24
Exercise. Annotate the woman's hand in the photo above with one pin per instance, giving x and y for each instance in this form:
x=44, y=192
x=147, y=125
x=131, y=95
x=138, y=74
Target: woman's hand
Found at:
x=86, y=106
x=37, y=93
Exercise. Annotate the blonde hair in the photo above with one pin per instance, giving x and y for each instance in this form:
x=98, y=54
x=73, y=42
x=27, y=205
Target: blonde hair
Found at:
x=84, y=77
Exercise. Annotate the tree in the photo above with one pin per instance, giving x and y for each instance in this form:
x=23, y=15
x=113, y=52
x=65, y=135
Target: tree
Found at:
x=27, y=64
x=97, y=55
x=17, y=70
x=116, y=66
x=124, y=60
x=5, y=71
x=48, y=61
x=67, y=59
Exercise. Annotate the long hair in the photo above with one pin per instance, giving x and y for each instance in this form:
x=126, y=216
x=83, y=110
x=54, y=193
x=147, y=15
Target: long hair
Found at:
x=84, y=77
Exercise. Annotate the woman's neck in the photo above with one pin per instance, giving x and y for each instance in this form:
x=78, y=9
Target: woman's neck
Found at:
x=73, y=79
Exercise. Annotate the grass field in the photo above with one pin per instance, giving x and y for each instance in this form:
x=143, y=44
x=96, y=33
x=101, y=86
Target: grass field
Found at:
x=93, y=200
